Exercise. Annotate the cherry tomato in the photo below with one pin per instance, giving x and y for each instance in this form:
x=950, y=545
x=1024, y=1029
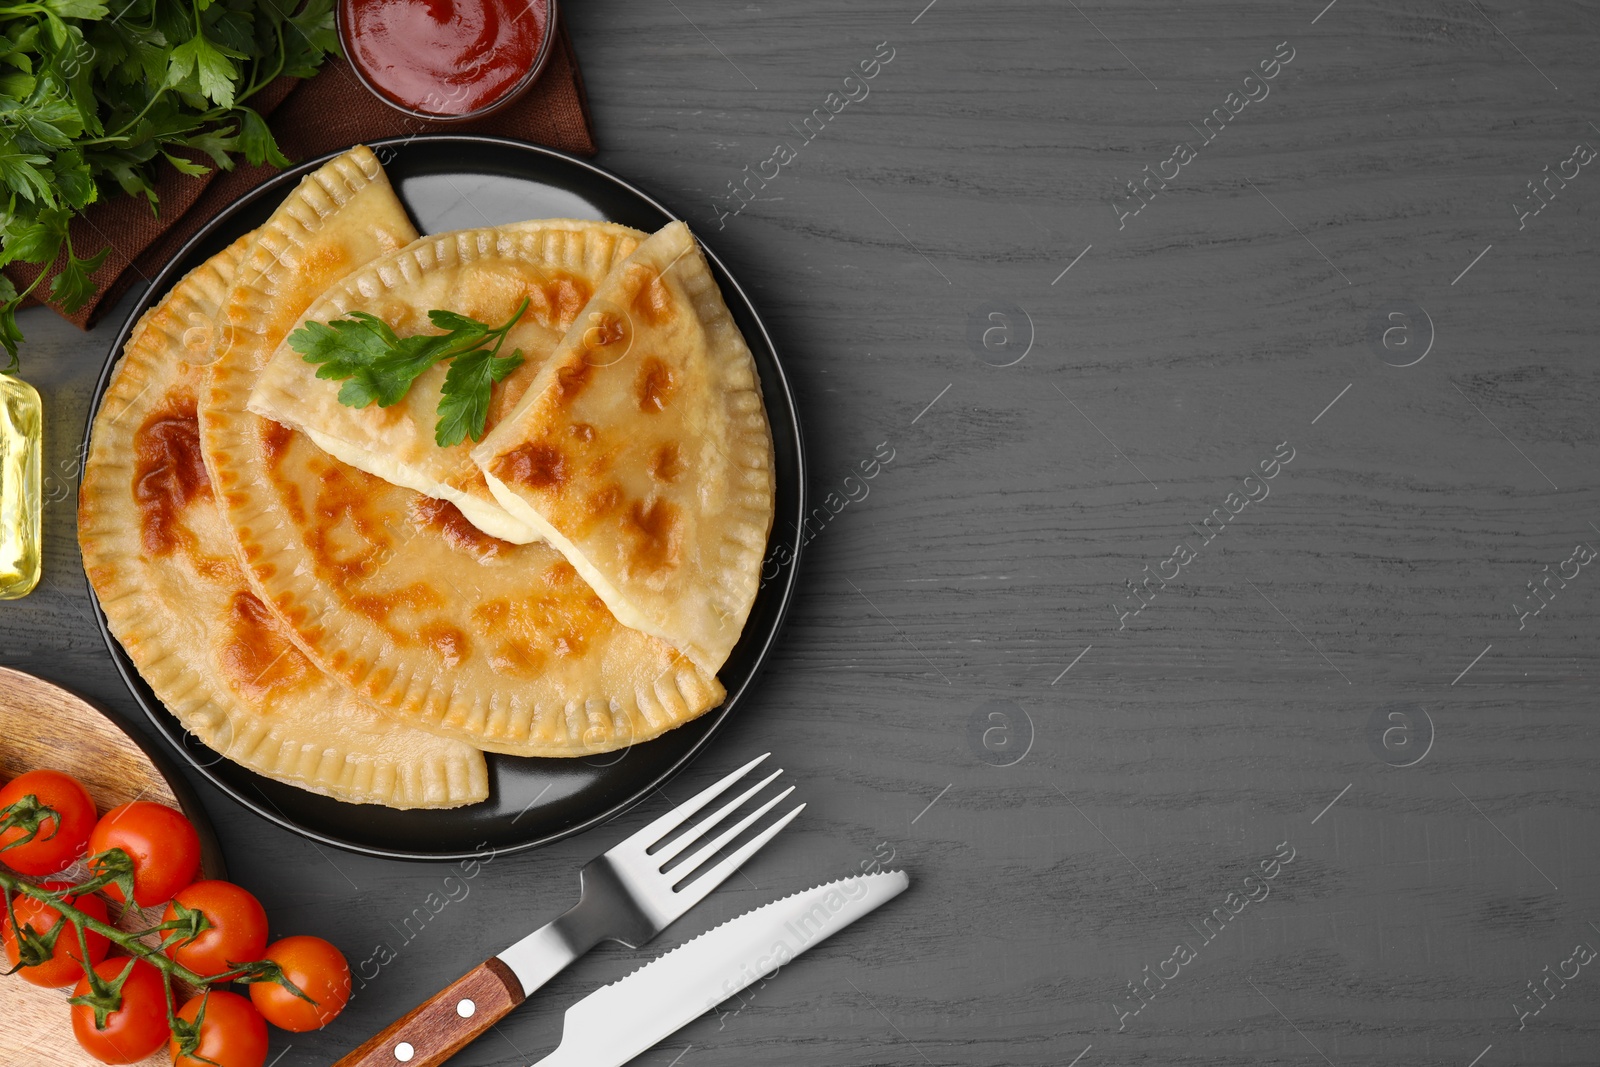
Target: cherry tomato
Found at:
x=318, y=970
x=61, y=838
x=163, y=845
x=233, y=1033
x=238, y=932
x=62, y=968
x=134, y=1030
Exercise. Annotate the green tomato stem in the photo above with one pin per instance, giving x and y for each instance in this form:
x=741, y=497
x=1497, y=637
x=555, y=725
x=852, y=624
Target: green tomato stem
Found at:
x=128, y=942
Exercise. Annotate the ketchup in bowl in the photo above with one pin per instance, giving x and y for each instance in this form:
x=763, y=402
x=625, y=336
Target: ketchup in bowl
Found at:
x=446, y=59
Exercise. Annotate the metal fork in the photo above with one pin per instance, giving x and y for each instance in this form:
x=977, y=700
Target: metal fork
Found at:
x=627, y=895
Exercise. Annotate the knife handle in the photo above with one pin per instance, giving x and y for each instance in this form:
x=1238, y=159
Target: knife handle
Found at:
x=430, y=1034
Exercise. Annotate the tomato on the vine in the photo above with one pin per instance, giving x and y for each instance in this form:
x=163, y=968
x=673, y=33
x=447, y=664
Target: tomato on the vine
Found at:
x=236, y=933
x=55, y=935
x=163, y=845
x=38, y=843
x=318, y=970
x=131, y=1031
x=232, y=1034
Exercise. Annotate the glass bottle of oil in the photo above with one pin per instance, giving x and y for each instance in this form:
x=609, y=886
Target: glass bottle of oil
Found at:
x=21, y=445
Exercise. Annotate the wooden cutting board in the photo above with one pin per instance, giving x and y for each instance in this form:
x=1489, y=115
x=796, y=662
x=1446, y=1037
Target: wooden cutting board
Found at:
x=43, y=725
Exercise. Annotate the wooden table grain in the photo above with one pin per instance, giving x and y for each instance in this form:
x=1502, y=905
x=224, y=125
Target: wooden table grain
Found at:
x=1073, y=656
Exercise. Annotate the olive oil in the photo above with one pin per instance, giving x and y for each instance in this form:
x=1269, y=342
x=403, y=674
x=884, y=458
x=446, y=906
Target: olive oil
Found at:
x=21, y=443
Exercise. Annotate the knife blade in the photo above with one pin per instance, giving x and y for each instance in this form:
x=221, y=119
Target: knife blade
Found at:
x=615, y=1023
x=631, y=892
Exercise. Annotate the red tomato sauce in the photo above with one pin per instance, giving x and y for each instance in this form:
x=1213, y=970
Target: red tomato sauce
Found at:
x=445, y=57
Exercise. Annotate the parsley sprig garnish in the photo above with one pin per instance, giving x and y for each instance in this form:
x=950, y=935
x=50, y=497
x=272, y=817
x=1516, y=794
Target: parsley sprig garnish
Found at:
x=378, y=366
x=94, y=96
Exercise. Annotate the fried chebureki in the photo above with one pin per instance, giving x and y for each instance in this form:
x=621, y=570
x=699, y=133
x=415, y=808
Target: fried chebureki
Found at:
x=485, y=274
x=422, y=603
x=162, y=562
x=500, y=645
x=642, y=452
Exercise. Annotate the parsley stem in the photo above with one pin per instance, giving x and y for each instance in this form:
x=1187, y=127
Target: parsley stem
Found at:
x=256, y=85
x=122, y=132
x=31, y=287
x=499, y=333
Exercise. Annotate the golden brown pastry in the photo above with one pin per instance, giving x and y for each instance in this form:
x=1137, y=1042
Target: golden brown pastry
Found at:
x=500, y=645
x=642, y=452
x=553, y=264
x=162, y=562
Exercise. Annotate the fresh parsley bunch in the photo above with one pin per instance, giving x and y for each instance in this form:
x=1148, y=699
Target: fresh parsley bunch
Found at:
x=376, y=365
x=93, y=96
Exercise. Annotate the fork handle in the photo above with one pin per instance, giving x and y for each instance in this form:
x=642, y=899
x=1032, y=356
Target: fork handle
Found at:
x=431, y=1033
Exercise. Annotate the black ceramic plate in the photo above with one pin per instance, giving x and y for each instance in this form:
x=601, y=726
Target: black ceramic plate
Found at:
x=450, y=182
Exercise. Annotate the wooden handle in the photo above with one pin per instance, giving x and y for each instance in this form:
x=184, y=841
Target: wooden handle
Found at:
x=438, y=1029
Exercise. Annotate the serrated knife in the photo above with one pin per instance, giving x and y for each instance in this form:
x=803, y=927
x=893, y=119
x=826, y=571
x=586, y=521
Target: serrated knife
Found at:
x=617, y=1022
x=630, y=894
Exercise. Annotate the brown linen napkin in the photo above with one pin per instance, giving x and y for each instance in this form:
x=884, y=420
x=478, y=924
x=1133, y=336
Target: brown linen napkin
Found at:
x=311, y=118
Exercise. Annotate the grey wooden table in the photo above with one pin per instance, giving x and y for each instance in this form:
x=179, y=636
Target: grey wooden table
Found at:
x=1207, y=539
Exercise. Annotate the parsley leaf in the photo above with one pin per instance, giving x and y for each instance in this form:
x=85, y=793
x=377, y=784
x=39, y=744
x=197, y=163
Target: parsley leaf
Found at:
x=98, y=96
x=10, y=336
x=21, y=172
x=376, y=365
x=464, y=402
x=256, y=140
x=186, y=166
x=36, y=240
x=73, y=179
x=72, y=285
x=77, y=9
x=363, y=352
x=213, y=73
x=455, y=323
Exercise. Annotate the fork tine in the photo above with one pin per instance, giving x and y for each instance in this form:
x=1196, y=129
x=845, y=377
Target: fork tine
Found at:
x=664, y=825
x=688, y=866
x=710, y=822
x=695, y=891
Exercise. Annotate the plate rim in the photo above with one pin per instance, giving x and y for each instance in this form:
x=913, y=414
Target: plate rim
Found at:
x=165, y=722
